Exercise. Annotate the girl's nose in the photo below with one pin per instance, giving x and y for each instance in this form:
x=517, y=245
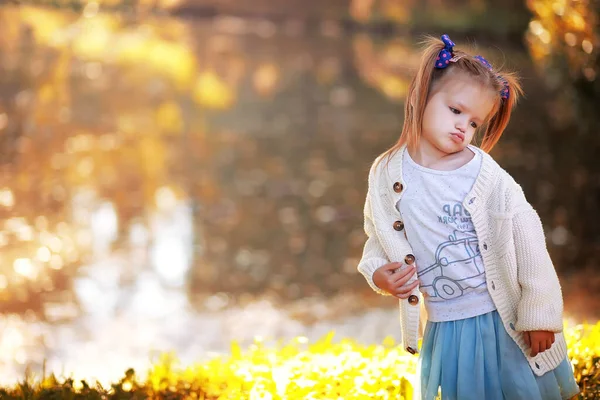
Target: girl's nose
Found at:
x=461, y=124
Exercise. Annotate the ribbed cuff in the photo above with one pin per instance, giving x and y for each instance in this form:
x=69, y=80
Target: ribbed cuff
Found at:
x=547, y=320
x=368, y=268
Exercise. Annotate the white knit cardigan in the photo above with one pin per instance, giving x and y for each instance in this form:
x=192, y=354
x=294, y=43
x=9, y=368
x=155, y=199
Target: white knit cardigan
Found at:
x=520, y=275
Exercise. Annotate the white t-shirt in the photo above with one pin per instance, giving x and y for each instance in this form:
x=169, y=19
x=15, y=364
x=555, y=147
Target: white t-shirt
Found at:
x=443, y=238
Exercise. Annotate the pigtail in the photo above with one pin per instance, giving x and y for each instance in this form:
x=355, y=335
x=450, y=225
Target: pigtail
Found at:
x=418, y=93
x=496, y=125
x=417, y=96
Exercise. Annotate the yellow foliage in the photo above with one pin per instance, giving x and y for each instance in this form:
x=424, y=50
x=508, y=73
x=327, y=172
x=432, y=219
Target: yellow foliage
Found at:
x=104, y=38
x=584, y=344
x=169, y=118
x=212, y=92
x=173, y=60
x=322, y=370
x=325, y=369
x=47, y=24
x=46, y=93
x=298, y=371
x=131, y=48
x=393, y=86
x=95, y=37
x=564, y=29
x=152, y=156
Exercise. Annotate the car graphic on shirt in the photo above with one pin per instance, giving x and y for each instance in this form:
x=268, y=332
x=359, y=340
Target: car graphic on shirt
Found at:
x=461, y=252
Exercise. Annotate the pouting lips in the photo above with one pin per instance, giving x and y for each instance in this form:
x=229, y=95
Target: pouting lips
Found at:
x=459, y=136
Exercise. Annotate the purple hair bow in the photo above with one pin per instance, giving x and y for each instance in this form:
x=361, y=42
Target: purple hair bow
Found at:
x=504, y=93
x=446, y=56
x=446, y=53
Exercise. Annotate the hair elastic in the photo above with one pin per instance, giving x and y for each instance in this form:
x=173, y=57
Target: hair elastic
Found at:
x=504, y=92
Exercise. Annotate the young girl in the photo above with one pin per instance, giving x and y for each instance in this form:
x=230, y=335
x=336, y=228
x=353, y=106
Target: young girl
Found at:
x=443, y=208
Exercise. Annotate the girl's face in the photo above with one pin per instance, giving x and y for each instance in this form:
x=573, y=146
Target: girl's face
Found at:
x=456, y=107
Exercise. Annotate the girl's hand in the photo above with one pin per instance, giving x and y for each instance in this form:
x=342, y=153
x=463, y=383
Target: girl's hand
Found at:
x=539, y=341
x=391, y=279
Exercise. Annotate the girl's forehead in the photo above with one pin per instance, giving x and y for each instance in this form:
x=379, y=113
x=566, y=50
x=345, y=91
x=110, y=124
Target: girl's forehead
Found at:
x=464, y=87
x=468, y=91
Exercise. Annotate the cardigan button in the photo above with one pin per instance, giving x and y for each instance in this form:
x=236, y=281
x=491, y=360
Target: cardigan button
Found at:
x=398, y=225
x=411, y=350
x=409, y=259
x=493, y=286
x=398, y=187
x=485, y=246
x=413, y=300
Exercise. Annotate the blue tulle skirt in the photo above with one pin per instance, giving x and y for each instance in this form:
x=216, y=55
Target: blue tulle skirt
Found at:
x=475, y=358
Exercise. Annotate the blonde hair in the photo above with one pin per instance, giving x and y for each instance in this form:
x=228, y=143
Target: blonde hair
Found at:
x=427, y=76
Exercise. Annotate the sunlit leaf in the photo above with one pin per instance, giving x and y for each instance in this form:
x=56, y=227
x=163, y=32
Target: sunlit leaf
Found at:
x=210, y=91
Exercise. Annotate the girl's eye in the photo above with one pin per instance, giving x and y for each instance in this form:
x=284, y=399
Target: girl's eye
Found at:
x=455, y=111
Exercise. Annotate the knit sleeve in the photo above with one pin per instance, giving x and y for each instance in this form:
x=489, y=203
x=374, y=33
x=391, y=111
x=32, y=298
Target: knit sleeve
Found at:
x=541, y=303
x=373, y=256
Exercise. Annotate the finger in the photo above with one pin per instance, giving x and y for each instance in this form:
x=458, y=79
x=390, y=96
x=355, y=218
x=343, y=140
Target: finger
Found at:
x=405, y=291
x=400, y=272
x=406, y=286
x=392, y=267
x=402, y=276
x=549, y=344
x=553, y=338
x=535, y=348
x=527, y=339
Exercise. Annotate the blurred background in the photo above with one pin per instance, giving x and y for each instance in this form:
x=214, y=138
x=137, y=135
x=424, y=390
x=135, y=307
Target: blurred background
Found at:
x=178, y=174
